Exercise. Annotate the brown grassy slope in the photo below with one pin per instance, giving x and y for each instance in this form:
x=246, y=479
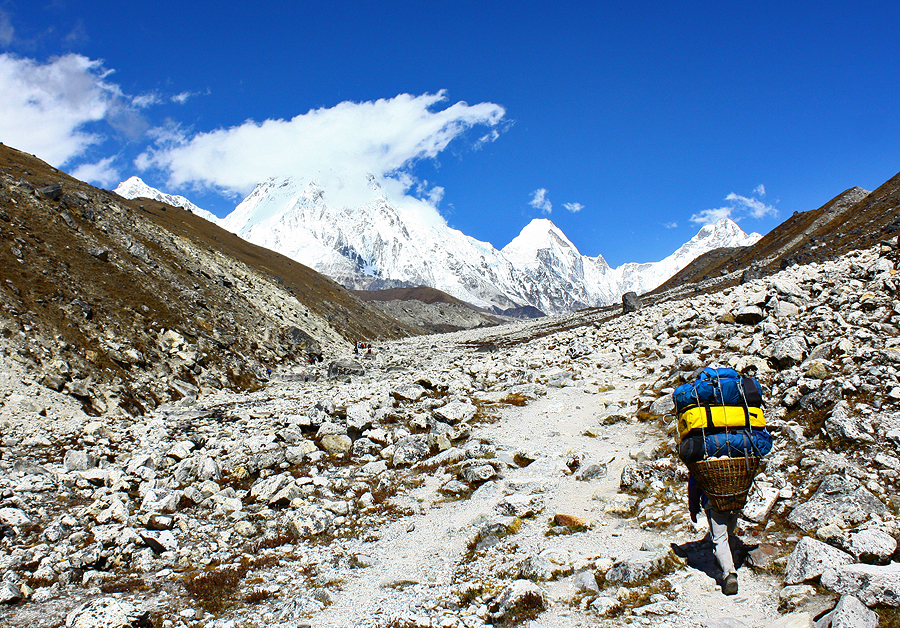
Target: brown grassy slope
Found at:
x=90, y=281
x=424, y=294
x=346, y=313
x=854, y=219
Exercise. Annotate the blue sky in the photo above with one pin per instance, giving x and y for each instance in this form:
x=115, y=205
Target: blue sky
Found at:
x=627, y=124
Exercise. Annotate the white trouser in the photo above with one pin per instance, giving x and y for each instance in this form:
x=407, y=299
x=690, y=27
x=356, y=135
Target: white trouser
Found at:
x=721, y=529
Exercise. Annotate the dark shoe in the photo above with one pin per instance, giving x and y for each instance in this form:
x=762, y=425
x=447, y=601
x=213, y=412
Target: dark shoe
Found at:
x=730, y=587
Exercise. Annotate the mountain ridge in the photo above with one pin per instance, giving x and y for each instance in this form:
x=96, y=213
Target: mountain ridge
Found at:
x=376, y=245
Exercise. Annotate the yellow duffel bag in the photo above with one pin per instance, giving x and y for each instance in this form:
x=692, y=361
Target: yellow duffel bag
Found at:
x=718, y=418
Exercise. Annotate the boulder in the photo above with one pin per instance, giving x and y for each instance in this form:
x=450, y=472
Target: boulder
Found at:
x=749, y=315
x=519, y=598
x=77, y=460
x=631, y=302
x=811, y=558
x=760, y=502
x=662, y=406
x=106, y=612
x=336, y=444
x=14, y=517
x=872, y=546
x=837, y=495
x=642, y=565
x=788, y=351
x=851, y=613
x=345, y=368
x=872, y=584
x=309, y=521
x=456, y=412
x=410, y=449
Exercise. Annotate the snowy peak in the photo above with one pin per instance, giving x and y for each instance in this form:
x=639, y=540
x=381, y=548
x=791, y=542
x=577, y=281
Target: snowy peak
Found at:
x=725, y=233
x=134, y=187
x=539, y=234
x=372, y=243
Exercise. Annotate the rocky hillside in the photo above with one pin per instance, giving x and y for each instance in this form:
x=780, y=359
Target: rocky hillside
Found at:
x=428, y=309
x=493, y=477
x=129, y=304
x=852, y=220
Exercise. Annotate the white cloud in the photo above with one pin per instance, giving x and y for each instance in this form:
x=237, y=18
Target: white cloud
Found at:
x=573, y=207
x=760, y=190
x=101, y=173
x=670, y=225
x=540, y=201
x=337, y=147
x=146, y=100
x=44, y=108
x=755, y=207
x=738, y=207
x=182, y=98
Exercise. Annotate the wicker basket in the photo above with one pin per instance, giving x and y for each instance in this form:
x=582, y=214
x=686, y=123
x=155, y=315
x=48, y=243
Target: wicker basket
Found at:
x=726, y=481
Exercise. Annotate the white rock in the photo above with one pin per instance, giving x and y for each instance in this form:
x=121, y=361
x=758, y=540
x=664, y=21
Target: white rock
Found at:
x=811, y=558
x=851, y=613
x=872, y=584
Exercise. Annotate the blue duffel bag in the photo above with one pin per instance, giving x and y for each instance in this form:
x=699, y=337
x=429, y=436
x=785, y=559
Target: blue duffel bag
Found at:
x=731, y=443
x=719, y=387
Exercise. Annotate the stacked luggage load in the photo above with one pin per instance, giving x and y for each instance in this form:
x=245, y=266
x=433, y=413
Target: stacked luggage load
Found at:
x=723, y=434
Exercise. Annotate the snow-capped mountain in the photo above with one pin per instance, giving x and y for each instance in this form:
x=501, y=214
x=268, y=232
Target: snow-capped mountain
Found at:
x=136, y=188
x=373, y=245
x=377, y=245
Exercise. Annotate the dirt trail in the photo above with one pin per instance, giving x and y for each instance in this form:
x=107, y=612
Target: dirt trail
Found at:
x=417, y=556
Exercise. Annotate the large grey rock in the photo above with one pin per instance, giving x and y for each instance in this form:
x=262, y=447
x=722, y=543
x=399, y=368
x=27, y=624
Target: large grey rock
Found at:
x=811, y=558
x=636, y=478
x=160, y=540
x=9, y=593
x=631, y=302
x=872, y=584
x=265, y=489
x=788, y=351
x=851, y=613
x=299, y=340
x=749, y=315
x=408, y=392
x=518, y=596
x=345, y=368
x=309, y=521
x=478, y=473
x=585, y=582
x=837, y=495
x=410, y=449
x=456, y=412
x=359, y=417
x=783, y=309
x=106, y=612
x=538, y=568
x=872, y=545
x=841, y=426
x=336, y=444
x=640, y=566
x=161, y=500
x=76, y=460
x=760, y=502
x=14, y=517
x=662, y=406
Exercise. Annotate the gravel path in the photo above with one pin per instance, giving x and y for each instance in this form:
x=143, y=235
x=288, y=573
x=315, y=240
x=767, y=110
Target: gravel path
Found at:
x=420, y=555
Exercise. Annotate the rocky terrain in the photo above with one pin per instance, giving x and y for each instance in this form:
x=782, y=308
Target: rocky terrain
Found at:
x=428, y=309
x=522, y=474
x=128, y=304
